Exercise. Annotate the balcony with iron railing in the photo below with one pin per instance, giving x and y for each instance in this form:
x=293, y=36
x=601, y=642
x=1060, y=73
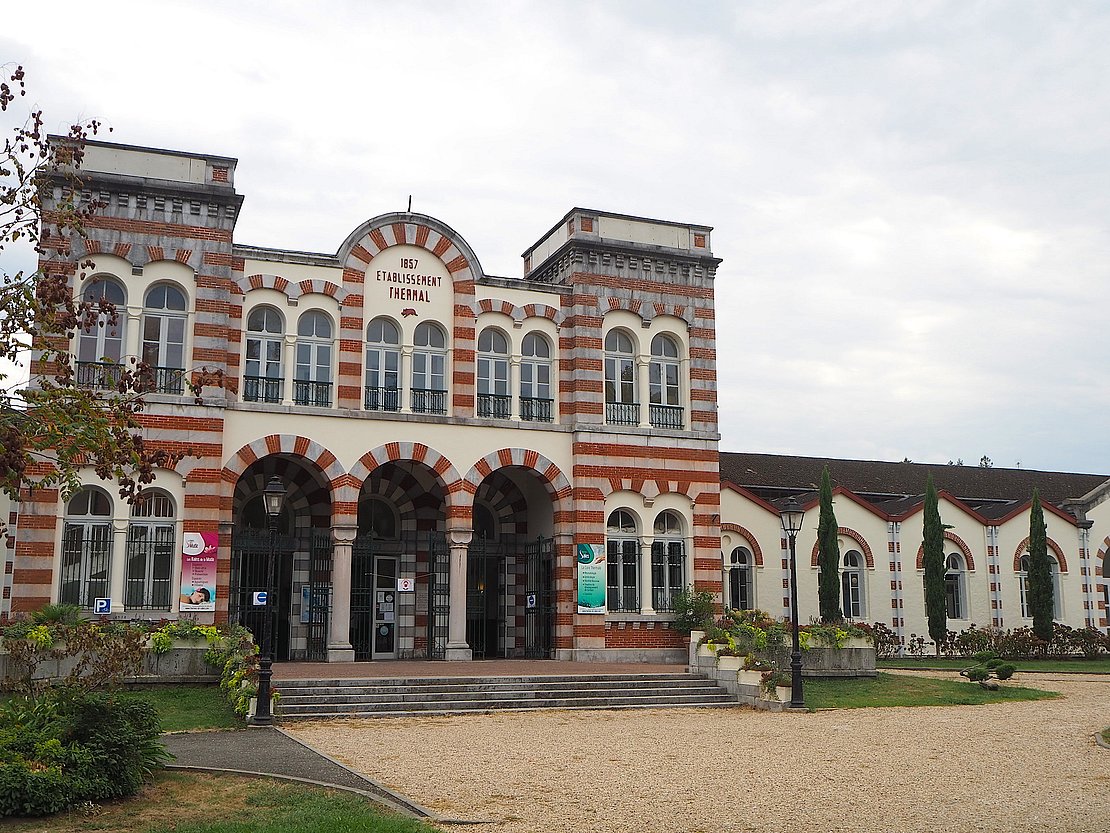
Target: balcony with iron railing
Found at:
x=623, y=599
x=162, y=379
x=494, y=405
x=262, y=389
x=312, y=394
x=537, y=410
x=99, y=375
x=622, y=413
x=429, y=401
x=667, y=416
x=381, y=399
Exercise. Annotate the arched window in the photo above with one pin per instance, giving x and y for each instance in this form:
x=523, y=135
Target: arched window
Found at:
x=263, y=378
x=623, y=558
x=741, y=588
x=151, y=545
x=621, y=407
x=493, y=375
x=668, y=560
x=853, y=595
x=536, y=403
x=955, y=587
x=86, y=548
x=383, y=366
x=164, y=337
x=666, y=402
x=429, y=370
x=1023, y=587
x=312, y=380
x=377, y=519
x=100, y=348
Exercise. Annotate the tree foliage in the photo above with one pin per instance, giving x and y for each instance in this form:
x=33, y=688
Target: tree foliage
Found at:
x=828, y=555
x=52, y=428
x=933, y=545
x=1039, y=596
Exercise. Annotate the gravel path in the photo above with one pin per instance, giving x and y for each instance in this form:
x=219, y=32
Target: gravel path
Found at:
x=1029, y=766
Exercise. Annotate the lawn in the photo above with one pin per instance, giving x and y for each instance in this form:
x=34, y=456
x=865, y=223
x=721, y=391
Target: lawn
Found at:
x=194, y=803
x=182, y=707
x=905, y=690
x=1067, y=666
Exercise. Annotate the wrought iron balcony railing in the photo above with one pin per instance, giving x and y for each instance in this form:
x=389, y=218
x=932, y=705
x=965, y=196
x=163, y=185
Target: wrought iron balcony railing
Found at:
x=262, y=389
x=313, y=394
x=381, y=399
x=429, y=401
x=667, y=416
x=622, y=413
x=494, y=405
x=537, y=410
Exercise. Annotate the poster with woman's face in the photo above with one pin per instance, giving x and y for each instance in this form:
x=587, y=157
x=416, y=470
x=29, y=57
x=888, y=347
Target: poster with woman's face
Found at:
x=198, y=572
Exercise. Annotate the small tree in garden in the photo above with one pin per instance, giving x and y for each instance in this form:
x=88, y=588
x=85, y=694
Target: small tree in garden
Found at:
x=989, y=671
x=936, y=608
x=828, y=555
x=1039, y=591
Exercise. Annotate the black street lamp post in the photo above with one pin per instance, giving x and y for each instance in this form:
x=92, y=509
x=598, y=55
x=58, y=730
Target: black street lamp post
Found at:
x=791, y=516
x=273, y=496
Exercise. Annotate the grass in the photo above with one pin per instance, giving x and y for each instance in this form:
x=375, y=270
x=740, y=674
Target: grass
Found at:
x=184, y=707
x=194, y=803
x=1106, y=734
x=903, y=690
x=1101, y=665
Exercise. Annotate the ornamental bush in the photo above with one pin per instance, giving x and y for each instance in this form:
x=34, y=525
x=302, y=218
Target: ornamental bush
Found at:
x=693, y=609
x=70, y=746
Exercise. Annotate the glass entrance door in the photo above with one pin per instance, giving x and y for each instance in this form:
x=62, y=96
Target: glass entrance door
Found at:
x=385, y=608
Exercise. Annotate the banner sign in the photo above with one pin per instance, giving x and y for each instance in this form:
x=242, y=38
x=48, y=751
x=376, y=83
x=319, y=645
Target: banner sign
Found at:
x=591, y=578
x=198, y=572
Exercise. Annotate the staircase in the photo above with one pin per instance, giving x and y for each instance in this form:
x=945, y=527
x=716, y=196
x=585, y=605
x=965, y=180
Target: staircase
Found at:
x=323, y=699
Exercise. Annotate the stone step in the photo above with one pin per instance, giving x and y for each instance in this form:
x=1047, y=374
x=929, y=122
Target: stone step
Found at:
x=423, y=695
x=491, y=686
x=497, y=704
x=731, y=703
x=537, y=679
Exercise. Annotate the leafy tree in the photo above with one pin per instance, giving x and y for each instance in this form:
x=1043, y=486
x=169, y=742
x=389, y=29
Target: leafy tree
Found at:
x=936, y=607
x=828, y=555
x=986, y=462
x=1039, y=593
x=51, y=429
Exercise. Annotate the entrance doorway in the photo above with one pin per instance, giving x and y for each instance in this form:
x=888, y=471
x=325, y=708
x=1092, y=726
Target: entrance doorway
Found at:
x=375, y=605
x=510, y=599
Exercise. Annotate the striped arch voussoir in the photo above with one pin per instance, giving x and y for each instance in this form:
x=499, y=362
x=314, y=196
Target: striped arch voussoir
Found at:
x=292, y=290
x=308, y=450
x=409, y=452
x=1102, y=570
x=969, y=559
x=137, y=255
x=556, y=483
x=1023, y=548
x=746, y=534
x=865, y=548
x=518, y=314
x=389, y=230
x=649, y=312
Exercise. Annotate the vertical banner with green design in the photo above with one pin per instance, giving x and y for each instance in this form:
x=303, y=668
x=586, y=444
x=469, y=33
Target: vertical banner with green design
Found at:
x=591, y=578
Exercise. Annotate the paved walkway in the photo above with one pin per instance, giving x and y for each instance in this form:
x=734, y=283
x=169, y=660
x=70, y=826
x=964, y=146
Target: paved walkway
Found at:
x=417, y=669
x=271, y=752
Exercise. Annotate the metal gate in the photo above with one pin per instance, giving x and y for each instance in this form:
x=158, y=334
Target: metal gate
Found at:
x=439, y=596
x=301, y=565
x=539, y=604
x=486, y=582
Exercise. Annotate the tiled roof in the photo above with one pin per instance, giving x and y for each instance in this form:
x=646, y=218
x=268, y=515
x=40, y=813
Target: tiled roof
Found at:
x=897, y=487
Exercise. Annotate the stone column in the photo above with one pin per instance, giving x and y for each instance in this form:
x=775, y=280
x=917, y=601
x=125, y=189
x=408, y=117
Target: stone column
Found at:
x=514, y=388
x=643, y=389
x=132, y=337
x=290, y=369
x=457, y=648
x=117, y=569
x=647, y=605
x=404, y=380
x=339, y=626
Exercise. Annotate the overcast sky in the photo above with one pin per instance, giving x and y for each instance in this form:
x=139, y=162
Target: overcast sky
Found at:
x=911, y=199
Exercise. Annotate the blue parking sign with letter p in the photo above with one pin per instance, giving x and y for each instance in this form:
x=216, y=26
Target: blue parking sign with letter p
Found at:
x=260, y=597
x=102, y=607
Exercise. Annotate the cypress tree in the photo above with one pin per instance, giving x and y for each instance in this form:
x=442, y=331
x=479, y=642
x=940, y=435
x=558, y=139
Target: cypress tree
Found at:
x=936, y=605
x=828, y=555
x=1039, y=593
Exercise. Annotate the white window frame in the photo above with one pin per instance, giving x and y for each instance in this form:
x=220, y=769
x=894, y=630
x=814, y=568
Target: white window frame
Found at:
x=853, y=594
x=162, y=350
x=151, y=537
x=955, y=587
x=668, y=560
x=264, y=342
x=741, y=576
x=383, y=364
x=622, y=542
x=1023, y=587
x=87, y=544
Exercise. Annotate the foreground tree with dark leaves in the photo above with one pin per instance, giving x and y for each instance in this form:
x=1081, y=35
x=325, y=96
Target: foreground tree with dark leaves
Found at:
x=58, y=424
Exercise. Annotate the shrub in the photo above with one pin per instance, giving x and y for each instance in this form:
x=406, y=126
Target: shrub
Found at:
x=71, y=746
x=693, y=609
